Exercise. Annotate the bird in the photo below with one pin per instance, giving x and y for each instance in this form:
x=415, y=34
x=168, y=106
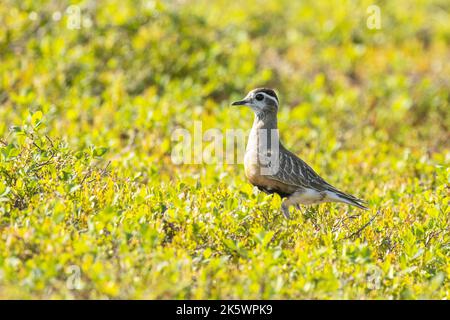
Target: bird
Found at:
x=274, y=169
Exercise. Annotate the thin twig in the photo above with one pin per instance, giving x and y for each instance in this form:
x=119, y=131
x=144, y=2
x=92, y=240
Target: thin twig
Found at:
x=50, y=140
x=364, y=226
x=105, y=170
x=88, y=173
x=34, y=143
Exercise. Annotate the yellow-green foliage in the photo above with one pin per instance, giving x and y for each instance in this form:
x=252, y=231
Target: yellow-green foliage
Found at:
x=88, y=188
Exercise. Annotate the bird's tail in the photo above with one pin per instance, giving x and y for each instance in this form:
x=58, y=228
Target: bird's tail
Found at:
x=349, y=199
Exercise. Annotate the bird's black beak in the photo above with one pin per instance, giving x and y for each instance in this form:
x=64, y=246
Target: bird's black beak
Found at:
x=240, y=103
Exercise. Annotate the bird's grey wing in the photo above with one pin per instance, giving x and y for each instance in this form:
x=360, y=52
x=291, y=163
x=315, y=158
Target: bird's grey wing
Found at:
x=294, y=171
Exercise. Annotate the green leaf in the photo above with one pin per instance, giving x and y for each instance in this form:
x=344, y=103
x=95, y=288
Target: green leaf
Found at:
x=36, y=119
x=100, y=151
x=16, y=129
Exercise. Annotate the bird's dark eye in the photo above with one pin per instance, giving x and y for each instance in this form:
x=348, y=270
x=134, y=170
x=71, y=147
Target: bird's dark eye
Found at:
x=259, y=97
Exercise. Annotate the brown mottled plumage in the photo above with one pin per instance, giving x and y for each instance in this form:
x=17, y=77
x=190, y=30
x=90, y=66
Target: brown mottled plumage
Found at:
x=274, y=169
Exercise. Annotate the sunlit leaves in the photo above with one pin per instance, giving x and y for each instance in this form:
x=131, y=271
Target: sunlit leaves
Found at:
x=87, y=183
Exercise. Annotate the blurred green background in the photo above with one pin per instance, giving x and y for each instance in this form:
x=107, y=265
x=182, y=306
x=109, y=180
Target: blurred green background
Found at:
x=92, y=206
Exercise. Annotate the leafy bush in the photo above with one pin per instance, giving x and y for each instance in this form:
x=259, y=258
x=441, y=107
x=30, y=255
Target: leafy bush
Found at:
x=92, y=206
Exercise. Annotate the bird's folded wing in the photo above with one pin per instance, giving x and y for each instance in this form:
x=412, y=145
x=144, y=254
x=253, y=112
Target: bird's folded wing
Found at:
x=293, y=171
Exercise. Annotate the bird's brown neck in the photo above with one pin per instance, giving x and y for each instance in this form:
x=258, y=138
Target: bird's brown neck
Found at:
x=265, y=120
x=265, y=125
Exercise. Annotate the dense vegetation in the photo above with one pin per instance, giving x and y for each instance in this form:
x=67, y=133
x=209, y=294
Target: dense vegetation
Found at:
x=92, y=205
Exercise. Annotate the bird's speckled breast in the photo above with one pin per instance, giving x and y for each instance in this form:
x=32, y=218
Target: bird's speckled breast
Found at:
x=251, y=163
x=253, y=168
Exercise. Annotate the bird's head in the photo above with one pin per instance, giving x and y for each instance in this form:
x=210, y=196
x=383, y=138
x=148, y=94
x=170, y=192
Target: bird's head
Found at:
x=260, y=100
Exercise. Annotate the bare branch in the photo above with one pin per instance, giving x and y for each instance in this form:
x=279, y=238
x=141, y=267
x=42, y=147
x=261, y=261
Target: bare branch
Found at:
x=364, y=226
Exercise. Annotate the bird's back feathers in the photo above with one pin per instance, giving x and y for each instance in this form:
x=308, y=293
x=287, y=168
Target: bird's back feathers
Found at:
x=293, y=171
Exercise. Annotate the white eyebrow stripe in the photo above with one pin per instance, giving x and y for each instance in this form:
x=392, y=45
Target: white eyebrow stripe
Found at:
x=268, y=96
